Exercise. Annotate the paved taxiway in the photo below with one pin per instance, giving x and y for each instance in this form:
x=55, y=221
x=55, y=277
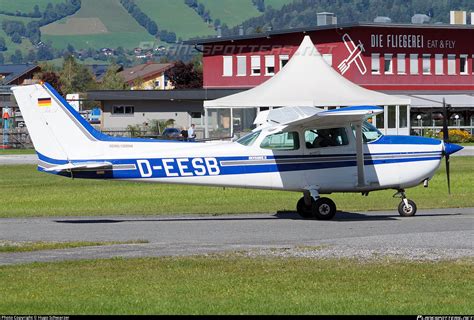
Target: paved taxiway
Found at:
x=431, y=235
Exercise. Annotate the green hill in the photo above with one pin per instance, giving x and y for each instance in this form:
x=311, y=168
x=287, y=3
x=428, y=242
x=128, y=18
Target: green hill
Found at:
x=97, y=24
x=231, y=12
x=175, y=16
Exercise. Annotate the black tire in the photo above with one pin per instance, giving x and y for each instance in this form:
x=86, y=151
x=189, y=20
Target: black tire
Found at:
x=324, y=209
x=303, y=210
x=409, y=211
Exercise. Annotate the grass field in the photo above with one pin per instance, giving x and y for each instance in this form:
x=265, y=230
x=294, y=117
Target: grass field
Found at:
x=176, y=16
x=34, y=194
x=122, y=29
x=27, y=246
x=234, y=284
x=231, y=12
x=16, y=151
x=26, y=6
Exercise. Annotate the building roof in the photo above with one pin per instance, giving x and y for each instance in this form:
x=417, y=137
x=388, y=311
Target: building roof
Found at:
x=297, y=86
x=269, y=34
x=12, y=72
x=182, y=94
x=144, y=71
x=99, y=70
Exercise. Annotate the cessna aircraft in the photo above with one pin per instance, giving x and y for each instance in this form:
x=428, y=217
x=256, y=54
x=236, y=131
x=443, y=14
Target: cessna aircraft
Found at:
x=301, y=149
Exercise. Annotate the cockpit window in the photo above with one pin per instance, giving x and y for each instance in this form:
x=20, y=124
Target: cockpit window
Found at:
x=369, y=132
x=281, y=141
x=249, y=139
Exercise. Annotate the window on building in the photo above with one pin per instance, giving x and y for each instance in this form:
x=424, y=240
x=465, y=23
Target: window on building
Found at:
x=328, y=58
x=439, y=70
x=403, y=117
x=322, y=138
x=241, y=66
x=123, y=110
x=388, y=64
x=426, y=64
x=392, y=117
x=413, y=64
x=255, y=65
x=375, y=63
x=227, y=66
x=269, y=65
x=281, y=141
x=451, y=64
x=401, y=64
x=463, y=69
x=284, y=60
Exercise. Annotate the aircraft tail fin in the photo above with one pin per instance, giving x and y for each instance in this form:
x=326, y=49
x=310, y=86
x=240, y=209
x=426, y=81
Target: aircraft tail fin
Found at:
x=58, y=132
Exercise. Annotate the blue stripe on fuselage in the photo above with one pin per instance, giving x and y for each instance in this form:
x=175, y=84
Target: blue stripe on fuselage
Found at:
x=209, y=166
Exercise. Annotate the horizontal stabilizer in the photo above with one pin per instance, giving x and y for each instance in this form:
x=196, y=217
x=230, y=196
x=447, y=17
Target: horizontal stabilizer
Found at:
x=82, y=166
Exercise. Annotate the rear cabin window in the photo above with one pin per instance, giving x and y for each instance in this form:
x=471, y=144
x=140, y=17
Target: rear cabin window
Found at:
x=323, y=138
x=281, y=141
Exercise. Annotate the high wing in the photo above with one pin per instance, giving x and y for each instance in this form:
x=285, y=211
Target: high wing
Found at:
x=310, y=116
x=305, y=117
x=82, y=166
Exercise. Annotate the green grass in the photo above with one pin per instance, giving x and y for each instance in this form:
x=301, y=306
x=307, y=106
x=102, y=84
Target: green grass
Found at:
x=176, y=16
x=123, y=30
x=26, y=6
x=16, y=151
x=28, y=246
x=237, y=285
x=231, y=12
x=35, y=194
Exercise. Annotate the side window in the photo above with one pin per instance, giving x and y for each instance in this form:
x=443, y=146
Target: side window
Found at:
x=281, y=141
x=322, y=138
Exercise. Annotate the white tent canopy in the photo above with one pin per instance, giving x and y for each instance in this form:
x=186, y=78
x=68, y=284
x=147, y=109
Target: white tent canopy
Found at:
x=306, y=80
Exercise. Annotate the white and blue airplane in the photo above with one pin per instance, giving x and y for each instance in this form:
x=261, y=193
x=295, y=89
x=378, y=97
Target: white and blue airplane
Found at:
x=303, y=149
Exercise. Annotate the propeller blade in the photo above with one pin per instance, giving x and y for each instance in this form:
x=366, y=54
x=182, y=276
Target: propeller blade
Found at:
x=448, y=173
x=445, y=122
x=446, y=140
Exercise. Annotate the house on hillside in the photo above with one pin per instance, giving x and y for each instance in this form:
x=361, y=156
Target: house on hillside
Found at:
x=148, y=76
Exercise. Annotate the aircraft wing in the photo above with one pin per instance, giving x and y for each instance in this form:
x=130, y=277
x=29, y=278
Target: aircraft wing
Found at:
x=336, y=116
x=81, y=166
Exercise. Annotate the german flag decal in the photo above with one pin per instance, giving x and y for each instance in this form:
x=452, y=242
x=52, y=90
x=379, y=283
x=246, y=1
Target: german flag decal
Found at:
x=44, y=102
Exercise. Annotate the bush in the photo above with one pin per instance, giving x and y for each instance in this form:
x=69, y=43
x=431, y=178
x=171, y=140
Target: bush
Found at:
x=458, y=136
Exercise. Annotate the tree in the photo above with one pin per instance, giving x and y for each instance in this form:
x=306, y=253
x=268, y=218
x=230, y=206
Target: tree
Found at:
x=2, y=58
x=50, y=77
x=3, y=46
x=75, y=77
x=17, y=57
x=112, y=80
x=184, y=76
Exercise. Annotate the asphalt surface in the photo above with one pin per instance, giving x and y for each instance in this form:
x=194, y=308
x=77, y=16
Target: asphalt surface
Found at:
x=431, y=235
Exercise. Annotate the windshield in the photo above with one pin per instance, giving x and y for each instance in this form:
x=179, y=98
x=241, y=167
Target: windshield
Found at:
x=370, y=132
x=248, y=139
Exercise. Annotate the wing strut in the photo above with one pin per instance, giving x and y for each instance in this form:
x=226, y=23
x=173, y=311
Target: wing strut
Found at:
x=360, y=156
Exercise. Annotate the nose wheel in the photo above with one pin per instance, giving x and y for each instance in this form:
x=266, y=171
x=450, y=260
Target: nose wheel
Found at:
x=406, y=208
x=320, y=209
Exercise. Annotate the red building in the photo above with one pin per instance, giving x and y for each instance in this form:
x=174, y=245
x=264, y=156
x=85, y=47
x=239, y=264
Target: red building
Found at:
x=413, y=59
x=375, y=56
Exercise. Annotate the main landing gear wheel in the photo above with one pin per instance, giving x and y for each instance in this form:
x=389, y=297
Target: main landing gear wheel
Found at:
x=407, y=211
x=303, y=210
x=324, y=209
x=321, y=209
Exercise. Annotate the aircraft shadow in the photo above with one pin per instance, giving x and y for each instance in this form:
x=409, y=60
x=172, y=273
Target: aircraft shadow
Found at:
x=341, y=216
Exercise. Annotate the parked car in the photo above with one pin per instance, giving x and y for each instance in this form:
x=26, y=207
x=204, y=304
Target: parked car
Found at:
x=171, y=134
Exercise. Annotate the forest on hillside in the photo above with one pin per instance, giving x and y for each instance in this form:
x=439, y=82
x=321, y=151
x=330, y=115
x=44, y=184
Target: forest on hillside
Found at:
x=302, y=13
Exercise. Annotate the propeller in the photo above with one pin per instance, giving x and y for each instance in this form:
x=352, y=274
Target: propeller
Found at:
x=446, y=140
